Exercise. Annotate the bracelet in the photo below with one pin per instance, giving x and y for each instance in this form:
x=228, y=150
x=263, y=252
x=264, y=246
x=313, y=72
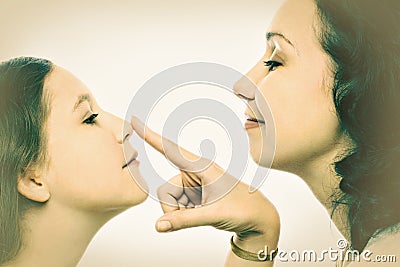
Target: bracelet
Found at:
x=247, y=255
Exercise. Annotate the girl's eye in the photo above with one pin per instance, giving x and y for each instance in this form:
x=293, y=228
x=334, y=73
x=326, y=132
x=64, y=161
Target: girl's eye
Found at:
x=272, y=64
x=91, y=120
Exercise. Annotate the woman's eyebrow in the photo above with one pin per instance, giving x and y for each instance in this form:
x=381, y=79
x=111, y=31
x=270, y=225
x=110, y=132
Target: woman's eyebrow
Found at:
x=81, y=99
x=270, y=35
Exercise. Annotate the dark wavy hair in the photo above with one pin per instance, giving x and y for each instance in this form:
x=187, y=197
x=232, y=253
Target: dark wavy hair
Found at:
x=23, y=113
x=362, y=38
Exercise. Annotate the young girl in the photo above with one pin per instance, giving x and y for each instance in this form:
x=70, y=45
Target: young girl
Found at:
x=63, y=173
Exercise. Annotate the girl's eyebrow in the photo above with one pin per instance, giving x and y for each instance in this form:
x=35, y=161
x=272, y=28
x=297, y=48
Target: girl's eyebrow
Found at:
x=81, y=99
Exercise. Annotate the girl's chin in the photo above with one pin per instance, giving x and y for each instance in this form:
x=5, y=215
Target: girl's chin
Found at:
x=139, y=197
x=138, y=179
x=141, y=183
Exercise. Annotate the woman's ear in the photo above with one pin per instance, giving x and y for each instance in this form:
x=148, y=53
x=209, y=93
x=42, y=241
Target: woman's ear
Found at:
x=33, y=187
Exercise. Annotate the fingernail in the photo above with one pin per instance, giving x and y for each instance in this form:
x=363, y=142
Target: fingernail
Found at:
x=164, y=226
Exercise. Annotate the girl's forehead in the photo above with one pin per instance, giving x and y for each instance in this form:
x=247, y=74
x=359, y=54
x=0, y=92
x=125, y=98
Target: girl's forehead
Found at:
x=64, y=87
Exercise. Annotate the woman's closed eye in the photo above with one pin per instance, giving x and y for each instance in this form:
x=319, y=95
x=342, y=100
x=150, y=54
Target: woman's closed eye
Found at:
x=272, y=64
x=91, y=120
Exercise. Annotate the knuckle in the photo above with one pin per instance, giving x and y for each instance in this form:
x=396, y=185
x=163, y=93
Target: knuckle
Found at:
x=162, y=190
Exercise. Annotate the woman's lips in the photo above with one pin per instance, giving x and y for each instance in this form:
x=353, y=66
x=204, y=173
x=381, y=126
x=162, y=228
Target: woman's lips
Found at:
x=253, y=123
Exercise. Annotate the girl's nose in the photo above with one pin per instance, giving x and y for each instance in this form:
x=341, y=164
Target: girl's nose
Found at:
x=126, y=131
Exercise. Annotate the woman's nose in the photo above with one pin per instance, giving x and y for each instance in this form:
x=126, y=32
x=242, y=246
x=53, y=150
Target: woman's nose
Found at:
x=244, y=88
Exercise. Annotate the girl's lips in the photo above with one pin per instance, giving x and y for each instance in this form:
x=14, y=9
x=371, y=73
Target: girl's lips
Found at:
x=253, y=123
x=131, y=161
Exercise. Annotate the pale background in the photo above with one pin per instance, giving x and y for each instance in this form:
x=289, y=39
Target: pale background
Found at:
x=114, y=47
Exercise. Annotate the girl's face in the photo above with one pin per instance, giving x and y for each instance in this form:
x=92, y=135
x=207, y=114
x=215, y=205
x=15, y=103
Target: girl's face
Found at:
x=86, y=153
x=295, y=79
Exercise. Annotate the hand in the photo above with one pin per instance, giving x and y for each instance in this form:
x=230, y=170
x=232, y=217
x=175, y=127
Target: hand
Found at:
x=204, y=194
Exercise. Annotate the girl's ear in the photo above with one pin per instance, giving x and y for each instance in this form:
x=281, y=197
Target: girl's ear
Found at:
x=33, y=187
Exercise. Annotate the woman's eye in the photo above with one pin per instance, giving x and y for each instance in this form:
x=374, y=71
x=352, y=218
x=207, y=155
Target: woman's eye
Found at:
x=91, y=120
x=272, y=64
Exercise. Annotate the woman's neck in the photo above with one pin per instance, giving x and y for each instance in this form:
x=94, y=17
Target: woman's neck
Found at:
x=324, y=183
x=56, y=237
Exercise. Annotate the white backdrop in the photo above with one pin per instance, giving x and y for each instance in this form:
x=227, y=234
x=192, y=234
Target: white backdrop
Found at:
x=114, y=47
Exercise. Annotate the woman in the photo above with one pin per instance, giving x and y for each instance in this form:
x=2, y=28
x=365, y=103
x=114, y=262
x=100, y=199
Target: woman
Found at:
x=330, y=76
x=62, y=168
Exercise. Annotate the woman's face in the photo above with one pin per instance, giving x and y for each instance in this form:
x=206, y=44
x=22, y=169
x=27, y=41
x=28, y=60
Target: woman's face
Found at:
x=296, y=84
x=86, y=154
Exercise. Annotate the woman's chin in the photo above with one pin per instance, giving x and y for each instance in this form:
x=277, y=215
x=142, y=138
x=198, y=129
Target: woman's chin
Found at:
x=255, y=154
x=260, y=157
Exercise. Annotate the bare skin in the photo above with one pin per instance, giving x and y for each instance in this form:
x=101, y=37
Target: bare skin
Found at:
x=251, y=216
x=294, y=77
x=83, y=184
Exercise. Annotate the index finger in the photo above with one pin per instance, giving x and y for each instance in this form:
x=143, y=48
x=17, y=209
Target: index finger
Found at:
x=179, y=156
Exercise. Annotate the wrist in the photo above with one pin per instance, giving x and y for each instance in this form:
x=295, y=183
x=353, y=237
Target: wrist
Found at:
x=247, y=249
x=255, y=242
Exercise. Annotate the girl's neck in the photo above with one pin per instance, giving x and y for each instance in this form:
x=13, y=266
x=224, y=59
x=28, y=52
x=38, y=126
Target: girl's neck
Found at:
x=56, y=237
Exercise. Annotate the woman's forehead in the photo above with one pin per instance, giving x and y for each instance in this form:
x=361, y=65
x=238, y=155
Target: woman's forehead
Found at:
x=295, y=19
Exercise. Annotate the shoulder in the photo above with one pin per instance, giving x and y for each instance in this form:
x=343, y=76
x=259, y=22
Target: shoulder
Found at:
x=382, y=250
x=388, y=238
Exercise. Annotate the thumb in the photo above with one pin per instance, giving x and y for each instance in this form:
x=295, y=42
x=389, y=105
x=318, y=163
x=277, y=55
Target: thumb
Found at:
x=181, y=219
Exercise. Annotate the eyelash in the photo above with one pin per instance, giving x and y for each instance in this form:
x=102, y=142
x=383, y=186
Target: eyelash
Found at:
x=91, y=120
x=272, y=64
